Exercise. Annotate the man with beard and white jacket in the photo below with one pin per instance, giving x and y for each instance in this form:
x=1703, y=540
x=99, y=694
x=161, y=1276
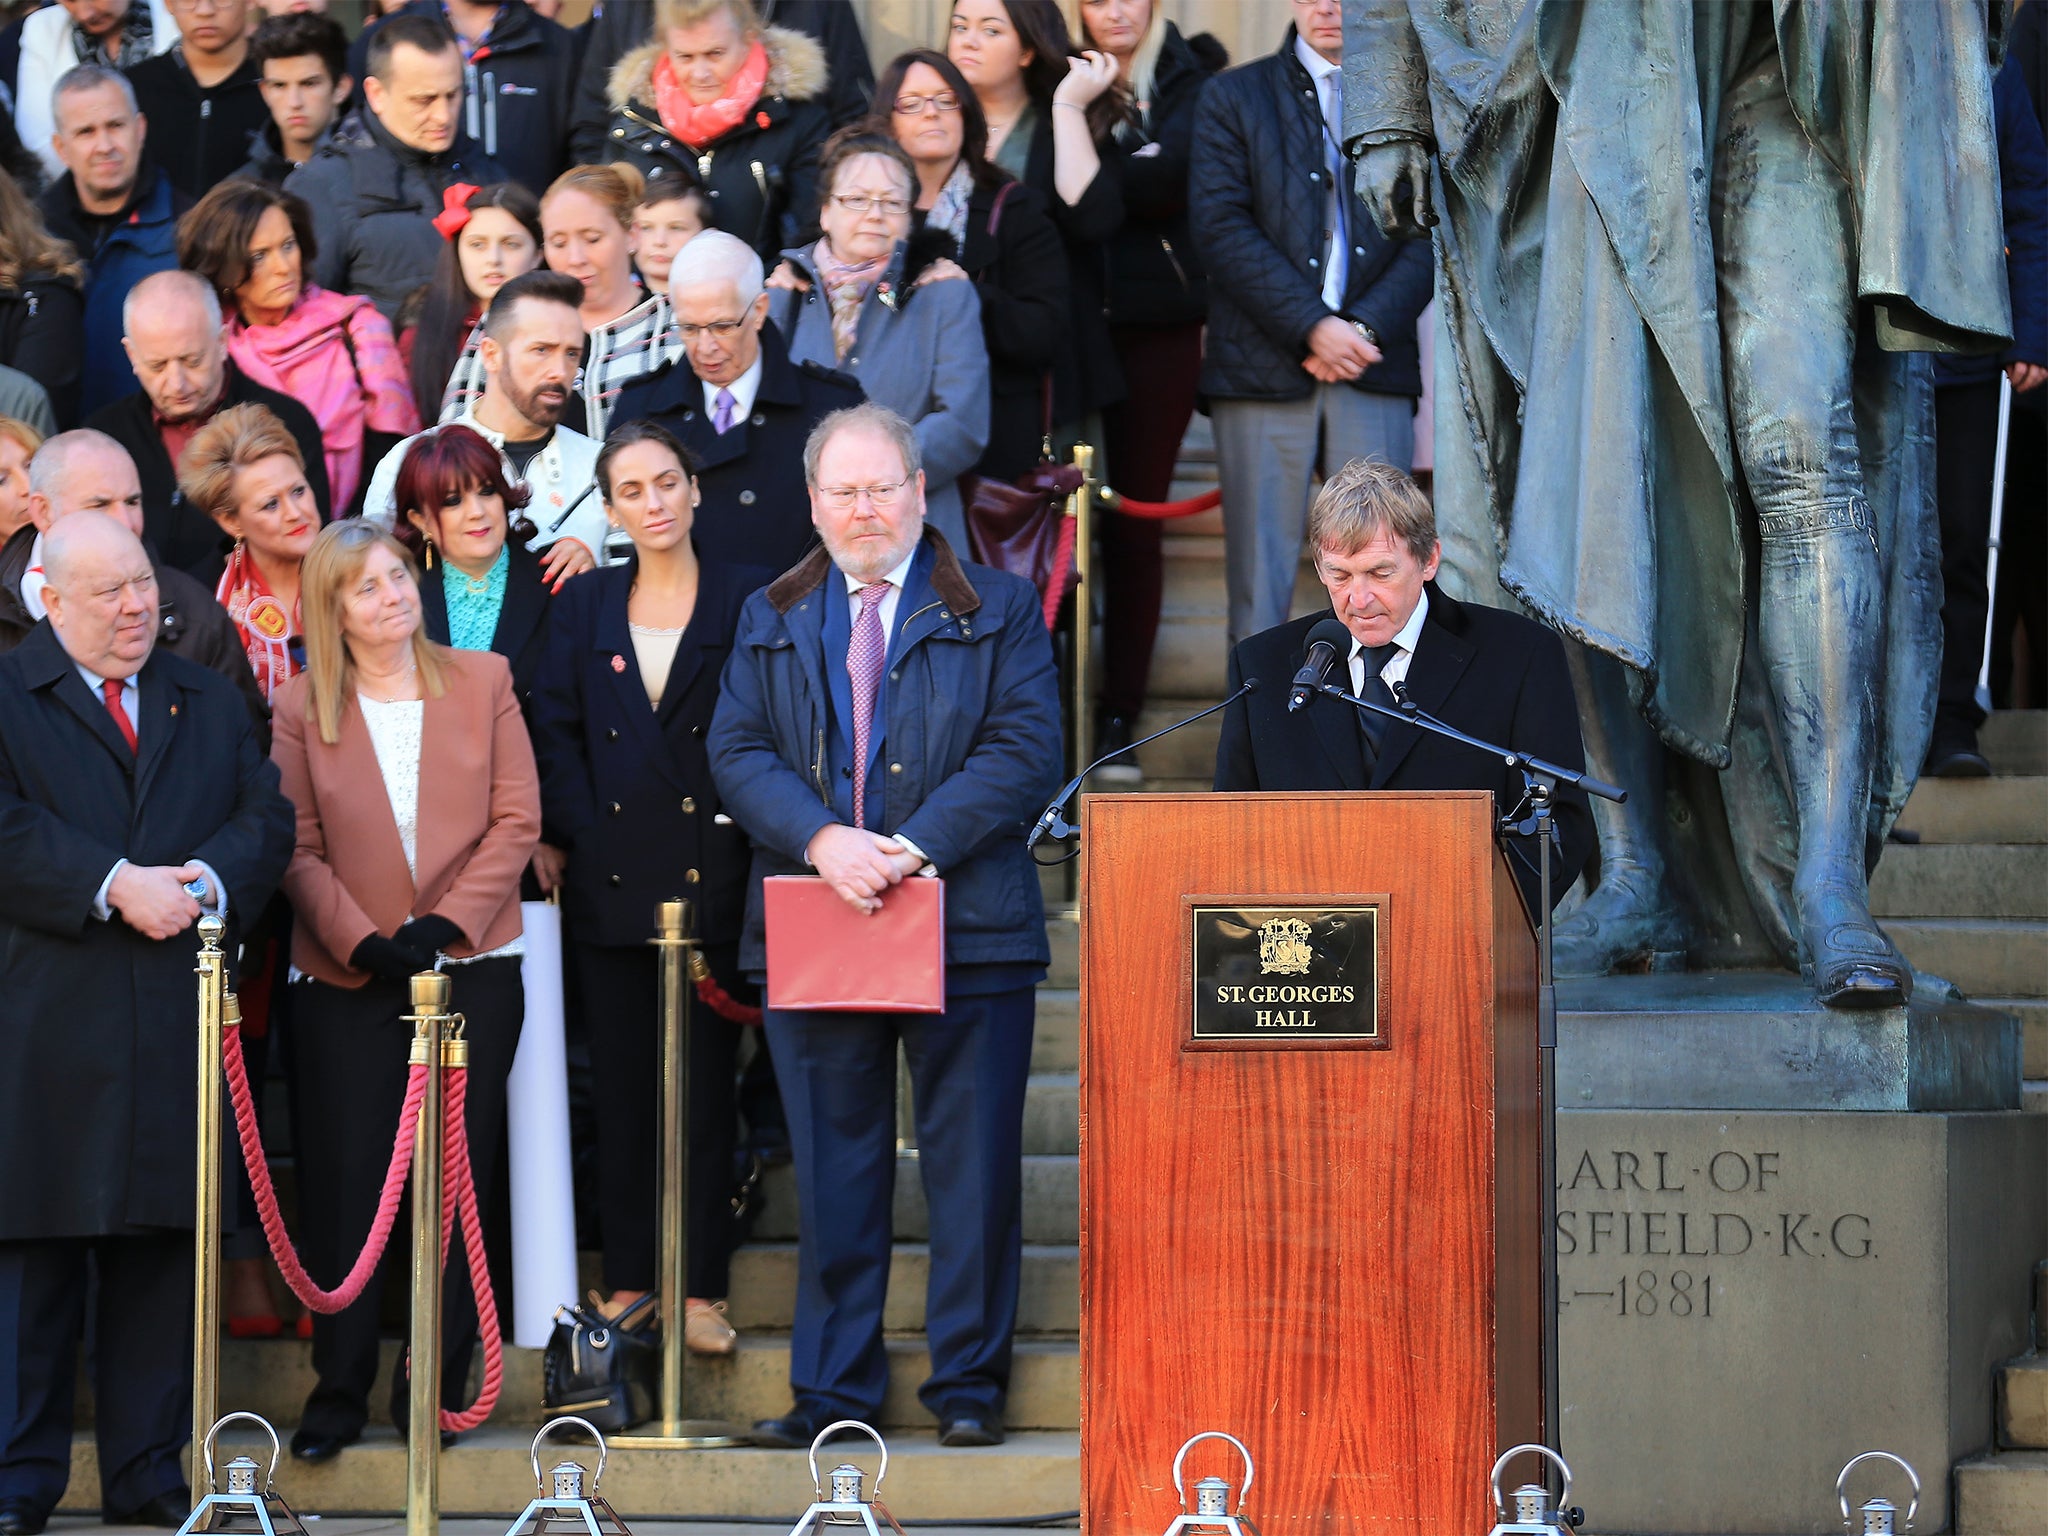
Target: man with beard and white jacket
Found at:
x=532, y=345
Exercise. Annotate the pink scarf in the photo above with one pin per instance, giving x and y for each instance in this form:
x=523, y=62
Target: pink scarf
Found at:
x=335, y=355
x=846, y=289
x=698, y=125
x=260, y=619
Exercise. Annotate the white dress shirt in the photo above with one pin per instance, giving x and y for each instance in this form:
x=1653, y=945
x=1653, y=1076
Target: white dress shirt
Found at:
x=1396, y=669
x=743, y=389
x=1329, y=80
x=33, y=580
x=131, y=705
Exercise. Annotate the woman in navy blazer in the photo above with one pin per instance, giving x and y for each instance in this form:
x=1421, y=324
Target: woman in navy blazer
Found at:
x=621, y=706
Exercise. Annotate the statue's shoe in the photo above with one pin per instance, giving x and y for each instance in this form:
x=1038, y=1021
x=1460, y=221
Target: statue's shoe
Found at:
x=1618, y=928
x=1849, y=960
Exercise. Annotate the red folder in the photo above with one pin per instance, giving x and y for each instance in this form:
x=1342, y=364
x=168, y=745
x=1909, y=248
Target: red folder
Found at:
x=824, y=955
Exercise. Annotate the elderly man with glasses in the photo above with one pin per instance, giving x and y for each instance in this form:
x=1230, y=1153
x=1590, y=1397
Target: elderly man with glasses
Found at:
x=739, y=404
x=891, y=712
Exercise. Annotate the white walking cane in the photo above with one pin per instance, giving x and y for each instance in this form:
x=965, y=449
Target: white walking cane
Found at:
x=1997, y=526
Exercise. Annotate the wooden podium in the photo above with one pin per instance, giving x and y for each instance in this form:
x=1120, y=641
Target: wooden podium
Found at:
x=1328, y=1247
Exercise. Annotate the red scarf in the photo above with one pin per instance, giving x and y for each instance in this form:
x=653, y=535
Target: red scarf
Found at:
x=698, y=126
x=266, y=629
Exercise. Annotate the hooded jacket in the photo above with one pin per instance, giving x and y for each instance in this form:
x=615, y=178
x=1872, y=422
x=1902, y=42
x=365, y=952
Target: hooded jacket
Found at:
x=761, y=174
x=374, y=201
x=518, y=89
x=267, y=162
x=200, y=134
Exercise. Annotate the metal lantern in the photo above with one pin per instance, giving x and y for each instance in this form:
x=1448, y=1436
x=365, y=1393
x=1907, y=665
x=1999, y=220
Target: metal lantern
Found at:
x=1212, y=1511
x=1533, y=1513
x=846, y=1506
x=242, y=1506
x=568, y=1505
x=1879, y=1515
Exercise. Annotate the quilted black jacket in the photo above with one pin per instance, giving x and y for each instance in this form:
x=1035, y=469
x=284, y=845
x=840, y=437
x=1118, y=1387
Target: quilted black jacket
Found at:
x=1256, y=186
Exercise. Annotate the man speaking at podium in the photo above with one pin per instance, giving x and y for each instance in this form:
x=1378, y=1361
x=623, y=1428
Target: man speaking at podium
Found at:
x=1492, y=674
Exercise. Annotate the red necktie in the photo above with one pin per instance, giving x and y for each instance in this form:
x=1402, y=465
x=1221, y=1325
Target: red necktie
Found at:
x=110, y=689
x=864, y=668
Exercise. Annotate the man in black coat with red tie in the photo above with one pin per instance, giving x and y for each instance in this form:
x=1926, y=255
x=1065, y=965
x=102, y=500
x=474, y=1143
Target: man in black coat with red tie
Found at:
x=1492, y=674
x=133, y=799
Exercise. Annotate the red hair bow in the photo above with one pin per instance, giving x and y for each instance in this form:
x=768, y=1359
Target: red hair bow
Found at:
x=454, y=209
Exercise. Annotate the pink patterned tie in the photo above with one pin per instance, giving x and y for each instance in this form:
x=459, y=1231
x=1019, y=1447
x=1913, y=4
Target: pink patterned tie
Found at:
x=721, y=418
x=864, y=666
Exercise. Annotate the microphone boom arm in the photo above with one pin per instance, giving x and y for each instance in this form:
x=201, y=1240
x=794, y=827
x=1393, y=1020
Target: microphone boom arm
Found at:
x=1414, y=714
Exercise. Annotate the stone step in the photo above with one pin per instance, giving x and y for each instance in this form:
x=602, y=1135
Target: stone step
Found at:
x=2005, y=810
x=2023, y=1403
x=2033, y=1017
x=1983, y=956
x=1056, y=1044
x=1052, y=1202
x=1189, y=752
x=1048, y=1294
x=1063, y=933
x=2004, y=1494
x=1052, y=1114
x=2016, y=741
x=273, y=1377
x=1961, y=880
x=1032, y=1473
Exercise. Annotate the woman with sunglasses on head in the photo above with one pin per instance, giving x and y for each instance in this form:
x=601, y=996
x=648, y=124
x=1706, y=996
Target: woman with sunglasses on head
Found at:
x=625, y=697
x=889, y=306
x=493, y=236
x=1001, y=238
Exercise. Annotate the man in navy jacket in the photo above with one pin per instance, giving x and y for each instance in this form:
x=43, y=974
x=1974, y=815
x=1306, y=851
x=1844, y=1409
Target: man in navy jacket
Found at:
x=961, y=727
x=1310, y=356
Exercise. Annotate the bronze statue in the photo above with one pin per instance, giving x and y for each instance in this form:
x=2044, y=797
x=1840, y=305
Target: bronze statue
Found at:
x=1688, y=256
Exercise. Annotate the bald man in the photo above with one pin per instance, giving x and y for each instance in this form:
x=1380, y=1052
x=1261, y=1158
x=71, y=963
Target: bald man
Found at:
x=134, y=796
x=87, y=471
x=740, y=405
x=171, y=327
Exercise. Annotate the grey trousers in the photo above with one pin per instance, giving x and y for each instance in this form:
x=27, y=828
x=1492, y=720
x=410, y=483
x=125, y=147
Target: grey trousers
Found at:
x=1267, y=454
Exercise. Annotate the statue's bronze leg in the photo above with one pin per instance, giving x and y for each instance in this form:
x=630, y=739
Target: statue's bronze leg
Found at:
x=1786, y=260
x=1629, y=922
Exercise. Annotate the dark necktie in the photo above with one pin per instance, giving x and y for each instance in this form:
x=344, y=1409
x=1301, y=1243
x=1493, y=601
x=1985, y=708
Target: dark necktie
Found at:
x=110, y=690
x=1371, y=727
x=864, y=655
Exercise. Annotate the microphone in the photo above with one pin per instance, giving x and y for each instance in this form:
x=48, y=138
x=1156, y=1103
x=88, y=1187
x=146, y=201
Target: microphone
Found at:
x=1054, y=822
x=1324, y=643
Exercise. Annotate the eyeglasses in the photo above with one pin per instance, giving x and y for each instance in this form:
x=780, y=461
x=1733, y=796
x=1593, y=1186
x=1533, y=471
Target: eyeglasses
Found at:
x=858, y=202
x=718, y=330
x=841, y=498
x=913, y=106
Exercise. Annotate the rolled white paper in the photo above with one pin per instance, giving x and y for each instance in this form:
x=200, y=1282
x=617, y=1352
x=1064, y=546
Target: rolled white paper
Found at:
x=537, y=1118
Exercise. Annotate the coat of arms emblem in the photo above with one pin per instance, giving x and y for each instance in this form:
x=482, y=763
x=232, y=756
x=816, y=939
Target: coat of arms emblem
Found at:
x=1283, y=947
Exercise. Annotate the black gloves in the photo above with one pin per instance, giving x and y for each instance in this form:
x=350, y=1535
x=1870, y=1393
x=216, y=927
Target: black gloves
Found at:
x=428, y=936
x=410, y=950
x=386, y=959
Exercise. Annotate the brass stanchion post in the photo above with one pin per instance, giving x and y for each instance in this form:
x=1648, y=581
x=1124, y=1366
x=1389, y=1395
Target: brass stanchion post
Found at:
x=1083, y=513
x=672, y=927
x=429, y=1018
x=212, y=971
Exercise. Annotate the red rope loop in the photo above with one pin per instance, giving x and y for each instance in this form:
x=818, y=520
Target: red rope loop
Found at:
x=1062, y=562
x=455, y=1086
x=1207, y=501
x=723, y=1003
x=288, y=1264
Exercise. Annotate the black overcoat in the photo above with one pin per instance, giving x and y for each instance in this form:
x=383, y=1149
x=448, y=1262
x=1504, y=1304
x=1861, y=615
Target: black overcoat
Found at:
x=1488, y=672
x=625, y=788
x=98, y=1025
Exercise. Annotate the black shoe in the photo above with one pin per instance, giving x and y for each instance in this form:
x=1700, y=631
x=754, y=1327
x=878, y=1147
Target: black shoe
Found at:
x=794, y=1431
x=167, y=1510
x=318, y=1445
x=20, y=1517
x=971, y=1428
x=1953, y=753
x=1113, y=735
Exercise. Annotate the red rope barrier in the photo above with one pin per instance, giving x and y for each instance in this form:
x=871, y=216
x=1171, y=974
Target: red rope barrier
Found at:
x=1062, y=562
x=288, y=1264
x=1207, y=501
x=723, y=1003
x=456, y=1144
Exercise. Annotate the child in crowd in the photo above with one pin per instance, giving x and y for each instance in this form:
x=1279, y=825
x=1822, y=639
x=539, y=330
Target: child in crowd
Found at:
x=674, y=212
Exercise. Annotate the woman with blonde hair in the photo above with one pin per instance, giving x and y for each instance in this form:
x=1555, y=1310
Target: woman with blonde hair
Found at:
x=586, y=219
x=42, y=304
x=332, y=352
x=418, y=809
x=718, y=100
x=244, y=470
x=18, y=444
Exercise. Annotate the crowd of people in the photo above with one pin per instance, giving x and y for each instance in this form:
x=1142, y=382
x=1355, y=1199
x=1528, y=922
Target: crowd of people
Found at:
x=522, y=463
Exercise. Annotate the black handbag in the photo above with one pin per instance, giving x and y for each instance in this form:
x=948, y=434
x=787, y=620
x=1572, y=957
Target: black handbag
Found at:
x=603, y=1369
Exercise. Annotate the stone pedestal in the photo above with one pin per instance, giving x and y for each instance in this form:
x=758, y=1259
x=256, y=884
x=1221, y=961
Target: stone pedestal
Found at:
x=1756, y=1285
